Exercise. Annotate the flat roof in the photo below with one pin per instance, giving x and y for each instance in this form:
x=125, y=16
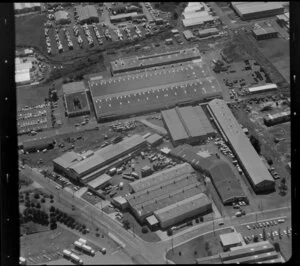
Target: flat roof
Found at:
x=158, y=177
x=99, y=181
x=174, y=125
x=230, y=239
x=23, y=76
x=61, y=14
x=67, y=159
x=154, y=138
x=189, y=15
x=86, y=12
x=255, y=7
x=209, y=30
x=19, y=6
x=254, y=258
x=121, y=16
x=197, y=21
x=182, y=207
x=73, y=87
x=107, y=153
x=264, y=30
x=152, y=220
x=155, y=59
x=248, y=157
x=188, y=34
x=263, y=87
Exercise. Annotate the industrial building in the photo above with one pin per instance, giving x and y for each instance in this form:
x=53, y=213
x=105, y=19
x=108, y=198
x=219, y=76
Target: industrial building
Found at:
x=154, y=140
x=274, y=119
x=254, y=168
x=181, y=211
x=265, y=33
x=146, y=171
x=125, y=17
x=120, y=202
x=260, y=252
x=187, y=125
x=222, y=176
x=93, y=164
x=231, y=240
x=208, y=32
x=262, y=88
x=197, y=21
x=21, y=8
x=61, y=17
x=255, y=10
x=99, y=182
x=163, y=189
x=22, y=71
x=153, y=90
x=87, y=14
x=188, y=35
x=141, y=62
x=190, y=15
x=38, y=145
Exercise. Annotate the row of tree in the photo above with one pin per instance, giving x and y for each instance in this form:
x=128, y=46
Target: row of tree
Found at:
x=34, y=215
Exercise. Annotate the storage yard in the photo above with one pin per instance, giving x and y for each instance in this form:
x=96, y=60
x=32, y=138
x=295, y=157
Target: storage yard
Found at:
x=162, y=125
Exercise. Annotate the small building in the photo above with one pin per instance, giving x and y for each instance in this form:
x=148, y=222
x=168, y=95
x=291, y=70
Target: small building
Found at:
x=124, y=17
x=263, y=88
x=154, y=140
x=265, y=33
x=146, y=171
x=188, y=35
x=61, y=17
x=152, y=222
x=271, y=120
x=282, y=20
x=99, y=182
x=175, y=31
x=190, y=22
x=169, y=41
x=230, y=240
x=87, y=14
x=37, y=145
x=21, y=8
x=208, y=32
x=120, y=202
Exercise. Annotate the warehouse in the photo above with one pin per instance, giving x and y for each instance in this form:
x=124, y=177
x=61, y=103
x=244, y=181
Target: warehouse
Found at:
x=187, y=124
x=125, y=17
x=263, y=88
x=106, y=155
x=99, y=182
x=254, y=168
x=265, y=33
x=37, y=145
x=178, y=170
x=61, y=17
x=183, y=210
x=120, y=202
x=188, y=35
x=162, y=190
x=222, y=176
x=141, y=62
x=255, y=10
x=191, y=15
x=197, y=21
x=152, y=90
x=21, y=8
x=274, y=119
x=230, y=240
x=154, y=140
x=208, y=32
x=87, y=14
x=22, y=71
x=62, y=163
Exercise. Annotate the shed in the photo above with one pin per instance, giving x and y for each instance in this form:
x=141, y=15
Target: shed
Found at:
x=154, y=140
x=152, y=221
x=188, y=35
x=120, y=202
x=231, y=240
x=99, y=181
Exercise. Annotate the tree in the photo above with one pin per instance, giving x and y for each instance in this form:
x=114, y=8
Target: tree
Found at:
x=201, y=219
x=53, y=226
x=51, y=196
x=264, y=234
x=126, y=224
x=175, y=15
x=36, y=195
x=255, y=239
x=52, y=208
x=197, y=220
x=277, y=246
x=179, y=253
x=206, y=246
x=256, y=144
x=43, y=200
x=283, y=181
x=145, y=230
x=51, y=201
x=38, y=205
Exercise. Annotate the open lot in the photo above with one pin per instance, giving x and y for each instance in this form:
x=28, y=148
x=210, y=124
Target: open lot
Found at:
x=203, y=246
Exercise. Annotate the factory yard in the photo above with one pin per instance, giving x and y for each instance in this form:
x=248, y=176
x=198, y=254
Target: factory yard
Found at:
x=151, y=129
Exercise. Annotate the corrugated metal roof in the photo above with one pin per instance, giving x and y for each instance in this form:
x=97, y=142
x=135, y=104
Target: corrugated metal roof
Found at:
x=126, y=15
x=182, y=207
x=197, y=21
x=255, y=7
x=67, y=159
x=86, y=12
x=251, y=161
x=61, y=15
x=99, y=181
x=73, y=87
x=188, y=34
x=264, y=30
x=230, y=239
x=263, y=87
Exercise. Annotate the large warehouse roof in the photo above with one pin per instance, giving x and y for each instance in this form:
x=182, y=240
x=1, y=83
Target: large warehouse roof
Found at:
x=61, y=15
x=67, y=159
x=246, y=153
x=159, y=177
x=182, y=207
x=255, y=7
x=20, y=6
x=73, y=87
x=126, y=64
x=190, y=15
x=197, y=21
x=99, y=181
x=86, y=12
x=107, y=153
x=263, y=88
x=264, y=30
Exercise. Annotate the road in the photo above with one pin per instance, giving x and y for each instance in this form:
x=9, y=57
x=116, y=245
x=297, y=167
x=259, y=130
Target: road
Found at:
x=153, y=253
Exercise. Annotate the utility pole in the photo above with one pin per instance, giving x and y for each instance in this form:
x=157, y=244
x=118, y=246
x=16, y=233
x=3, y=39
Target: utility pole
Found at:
x=172, y=244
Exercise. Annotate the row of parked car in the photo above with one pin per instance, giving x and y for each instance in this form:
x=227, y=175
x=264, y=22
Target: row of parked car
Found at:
x=264, y=224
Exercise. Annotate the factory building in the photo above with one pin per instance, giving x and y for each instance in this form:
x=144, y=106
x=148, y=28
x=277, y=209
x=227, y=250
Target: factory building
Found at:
x=96, y=163
x=255, y=10
x=22, y=71
x=265, y=33
x=61, y=17
x=231, y=240
x=62, y=163
x=163, y=189
x=154, y=140
x=125, y=17
x=152, y=90
x=21, y=8
x=181, y=211
x=38, y=145
x=260, y=252
x=254, y=168
x=274, y=119
x=87, y=14
x=75, y=99
x=142, y=62
x=220, y=172
x=197, y=21
x=208, y=32
x=187, y=125
x=188, y=35
x=263, y=88
x=99, y=182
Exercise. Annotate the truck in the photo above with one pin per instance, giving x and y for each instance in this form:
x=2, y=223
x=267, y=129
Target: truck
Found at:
x=76, y=259
x=88, y=249
x=78, y=244
x=67, y=253
x=135, y=175
x=82, y=240
x=121, y=185
x=128, y=177
x=112, y=171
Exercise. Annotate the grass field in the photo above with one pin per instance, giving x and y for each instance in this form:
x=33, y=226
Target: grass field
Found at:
x=30, y=31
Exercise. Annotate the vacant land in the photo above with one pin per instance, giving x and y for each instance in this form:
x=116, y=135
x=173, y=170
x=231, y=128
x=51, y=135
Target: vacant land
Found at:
x=203, y=246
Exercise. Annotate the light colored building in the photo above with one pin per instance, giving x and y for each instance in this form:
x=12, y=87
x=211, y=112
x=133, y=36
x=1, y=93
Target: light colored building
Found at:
x=26, y=7
x=254, y=168
x=273, y=119
x=191, y=15
x=22, y=72
x=154, y=140
x=208, y=32
x=87, y=14
x=263, y=88
x=190, y=22
x=188, y=35
x=99, y=182
x=61, y=17
x=120, y=202
x=230, y=240
x=183, y=210
x=265, y=33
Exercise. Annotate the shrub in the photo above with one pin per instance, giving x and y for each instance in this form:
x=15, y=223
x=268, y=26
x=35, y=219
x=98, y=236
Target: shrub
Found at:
x=53, y=226
x=43, y=200
x=51, y=201
x=145, y=230
x=36, y=195
x=52, y=208
x=197, y=220
x=51, y=196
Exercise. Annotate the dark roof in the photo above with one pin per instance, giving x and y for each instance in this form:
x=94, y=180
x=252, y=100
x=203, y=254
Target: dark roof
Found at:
x=38, y=144
x=86, y=12
x=263, y=31
x=73, y=87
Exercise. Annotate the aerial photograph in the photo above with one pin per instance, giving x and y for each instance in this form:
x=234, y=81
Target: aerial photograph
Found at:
x=153, y=132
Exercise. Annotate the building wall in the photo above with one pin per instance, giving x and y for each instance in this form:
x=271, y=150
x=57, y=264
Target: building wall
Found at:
x=265, y=36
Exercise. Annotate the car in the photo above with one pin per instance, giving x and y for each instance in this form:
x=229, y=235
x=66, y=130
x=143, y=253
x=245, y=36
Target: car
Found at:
x=253, y=226
x=261, y=236
x=264, y=224
x=248, y=227
x=221, y=223
x=268, y=234
x=260, y=225
x=281, y=221
x=275, y=222
x=285, y=232
x=271, y=223
x=276, y=233
x=267, y=223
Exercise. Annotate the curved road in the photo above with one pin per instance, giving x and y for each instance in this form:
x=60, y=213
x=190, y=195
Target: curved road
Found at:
x=152, y=253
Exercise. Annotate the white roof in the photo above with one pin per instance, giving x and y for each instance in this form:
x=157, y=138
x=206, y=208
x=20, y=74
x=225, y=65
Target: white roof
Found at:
x=230, y=239
x=263, y=87
x=23, y=66
x=194, y=4
x=195, y=14
x=197, y=21
x=22, y=76
x=193, y=8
